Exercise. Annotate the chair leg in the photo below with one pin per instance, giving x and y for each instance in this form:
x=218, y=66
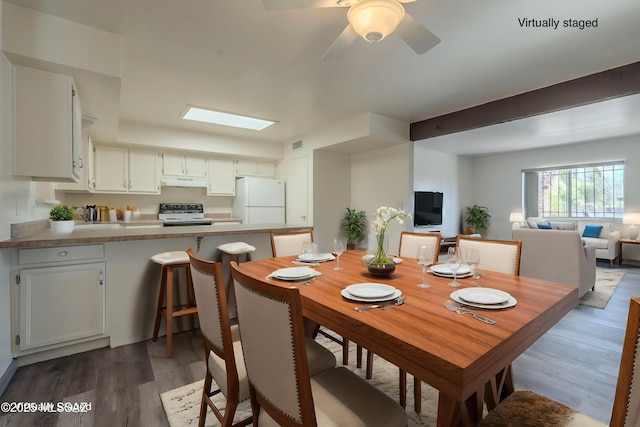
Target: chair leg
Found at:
x=203, y=404
x=369, y=370
x=417, y=395
x=169, y=310
x=402, y=388
x=191, y=297
x=163, y=281
x=358, y=356
x=345, y=351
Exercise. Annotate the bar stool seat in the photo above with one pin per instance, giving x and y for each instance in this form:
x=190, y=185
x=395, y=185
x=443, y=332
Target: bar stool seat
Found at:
x=169, y=262
x=232, y=252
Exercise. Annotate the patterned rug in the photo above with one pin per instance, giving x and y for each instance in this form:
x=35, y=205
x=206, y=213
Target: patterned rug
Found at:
x=606, y=282
x=182, y=405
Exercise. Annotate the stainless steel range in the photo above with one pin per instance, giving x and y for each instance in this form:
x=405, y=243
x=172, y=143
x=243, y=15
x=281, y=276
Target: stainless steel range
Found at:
x=175, y=214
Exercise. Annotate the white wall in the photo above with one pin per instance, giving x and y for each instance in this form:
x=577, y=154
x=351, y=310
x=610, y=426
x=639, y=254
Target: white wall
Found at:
x=382, y=178
x=497, y=179
x=449, y=174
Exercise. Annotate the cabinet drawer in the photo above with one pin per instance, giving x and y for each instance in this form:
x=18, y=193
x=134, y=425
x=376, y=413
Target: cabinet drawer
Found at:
x=59, y=254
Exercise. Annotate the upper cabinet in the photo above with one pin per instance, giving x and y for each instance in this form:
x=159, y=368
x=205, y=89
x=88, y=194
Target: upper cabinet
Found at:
x=222, y=177
x=255, y=168
x=86, y=182
x=184, y=165
x=125, y=170
x=47, y=132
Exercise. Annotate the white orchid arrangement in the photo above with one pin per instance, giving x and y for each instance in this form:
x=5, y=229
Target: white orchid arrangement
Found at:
x=384, y=215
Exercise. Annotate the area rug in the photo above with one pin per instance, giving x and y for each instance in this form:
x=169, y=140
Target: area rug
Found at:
x=606, y=282
x=182, y=405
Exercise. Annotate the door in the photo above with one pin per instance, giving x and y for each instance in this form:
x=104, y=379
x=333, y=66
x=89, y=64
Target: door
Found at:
x=297, y=192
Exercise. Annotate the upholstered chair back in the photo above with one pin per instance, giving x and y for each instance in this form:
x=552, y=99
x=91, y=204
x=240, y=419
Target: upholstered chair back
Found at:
x=287, y=244
x=502, y=256
x=274, y=349
x=626, y=404
x=409, y=243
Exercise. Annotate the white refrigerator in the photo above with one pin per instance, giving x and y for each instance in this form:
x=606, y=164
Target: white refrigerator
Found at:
x=259, y=200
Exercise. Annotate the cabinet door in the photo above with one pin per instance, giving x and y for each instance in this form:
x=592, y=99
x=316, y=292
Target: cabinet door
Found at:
x=144, y=172
x=111, y=169
x=245, y=167
x=60, y=304
x=173, y=165
x=222, y=179
x=43, y=133
x=266, y=169
x=195, y=167
x=85, y=180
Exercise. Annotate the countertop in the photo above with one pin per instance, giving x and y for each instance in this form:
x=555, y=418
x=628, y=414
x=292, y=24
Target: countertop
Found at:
x=118, y=232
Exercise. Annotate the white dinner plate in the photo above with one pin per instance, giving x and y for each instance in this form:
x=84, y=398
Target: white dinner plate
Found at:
x=293, y=272
x=450, y=275
x=509, y=303
x=444, y=270
x=319, y=257
x=397, y=260
x=351, y=297
x=295, y=279
x=484, y=295
x=370, y=290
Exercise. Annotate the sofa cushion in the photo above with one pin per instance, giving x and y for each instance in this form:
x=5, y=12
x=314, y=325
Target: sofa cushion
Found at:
x=545, y=225
x=592, y=231
x=563, y=225
x=596, y=242
x=532, y=224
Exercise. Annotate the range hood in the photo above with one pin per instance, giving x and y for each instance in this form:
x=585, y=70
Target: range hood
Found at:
x=182, y=181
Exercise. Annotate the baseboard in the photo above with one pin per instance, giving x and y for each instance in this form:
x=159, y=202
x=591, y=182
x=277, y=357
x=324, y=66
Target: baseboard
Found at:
x=7, y=375
x=41, y=356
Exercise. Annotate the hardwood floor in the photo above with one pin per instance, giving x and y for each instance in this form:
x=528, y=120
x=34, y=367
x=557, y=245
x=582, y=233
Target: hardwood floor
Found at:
x=575, y=363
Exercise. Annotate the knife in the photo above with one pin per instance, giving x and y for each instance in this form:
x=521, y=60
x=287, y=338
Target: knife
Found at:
x=397, y=301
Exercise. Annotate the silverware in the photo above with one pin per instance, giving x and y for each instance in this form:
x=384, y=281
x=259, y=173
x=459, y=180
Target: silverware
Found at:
x=464, y=310
x=397, y=301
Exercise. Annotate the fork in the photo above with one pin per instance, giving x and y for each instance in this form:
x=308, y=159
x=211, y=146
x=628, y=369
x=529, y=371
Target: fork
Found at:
x=463, y=310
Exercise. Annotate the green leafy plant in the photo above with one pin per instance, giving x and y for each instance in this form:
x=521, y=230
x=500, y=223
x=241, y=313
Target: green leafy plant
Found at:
x=477, y=217
x=61, y=213
x=354, y=226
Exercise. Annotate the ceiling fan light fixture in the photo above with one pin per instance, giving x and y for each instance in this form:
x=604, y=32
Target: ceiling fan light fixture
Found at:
x=375, y=19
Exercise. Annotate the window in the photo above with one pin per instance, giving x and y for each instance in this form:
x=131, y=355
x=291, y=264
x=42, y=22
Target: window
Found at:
x=595, y=191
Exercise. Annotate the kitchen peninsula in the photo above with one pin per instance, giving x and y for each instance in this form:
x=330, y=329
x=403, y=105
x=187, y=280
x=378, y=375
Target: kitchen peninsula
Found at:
x=120, y=301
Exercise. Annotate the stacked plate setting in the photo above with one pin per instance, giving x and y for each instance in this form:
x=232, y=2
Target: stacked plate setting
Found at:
x=443, y=270
x=370, y=292
x=319, y=257
x=295, y=274
x=492, y=299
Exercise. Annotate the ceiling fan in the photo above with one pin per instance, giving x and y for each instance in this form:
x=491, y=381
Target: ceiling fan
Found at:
x=373, y=20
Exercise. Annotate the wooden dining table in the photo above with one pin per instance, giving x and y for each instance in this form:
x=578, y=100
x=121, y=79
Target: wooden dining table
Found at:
x=466, y=360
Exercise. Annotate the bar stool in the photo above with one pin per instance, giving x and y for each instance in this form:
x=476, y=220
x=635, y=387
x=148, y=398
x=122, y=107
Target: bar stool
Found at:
x=169, y=262
x=232, y=252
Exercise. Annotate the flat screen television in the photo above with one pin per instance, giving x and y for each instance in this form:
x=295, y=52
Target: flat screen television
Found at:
x=427, y=208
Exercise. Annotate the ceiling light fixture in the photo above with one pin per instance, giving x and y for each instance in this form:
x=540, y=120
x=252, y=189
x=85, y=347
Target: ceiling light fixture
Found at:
x=225, y=119
x=375, y=19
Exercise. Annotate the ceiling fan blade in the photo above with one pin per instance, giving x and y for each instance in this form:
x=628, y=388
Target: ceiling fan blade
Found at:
x=341, y=45
x=416, y=35
x=297, y=4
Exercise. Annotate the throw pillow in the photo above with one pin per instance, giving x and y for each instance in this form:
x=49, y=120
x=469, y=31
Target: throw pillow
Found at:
x=532, y=224
x=592, y=231
x=544, y=225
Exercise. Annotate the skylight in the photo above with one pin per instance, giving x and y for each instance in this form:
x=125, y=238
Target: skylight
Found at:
x=225, y=119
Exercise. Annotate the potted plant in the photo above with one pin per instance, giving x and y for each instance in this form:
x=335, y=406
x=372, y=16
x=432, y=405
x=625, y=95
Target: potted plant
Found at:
x=61, y=217
x=477, y=219
x=354, y=227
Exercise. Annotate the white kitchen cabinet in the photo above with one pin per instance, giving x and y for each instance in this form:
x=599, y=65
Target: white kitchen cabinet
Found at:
x=126, y=170
x=60, y=297
x=184, y=165
x=86, y=182
x=255, y=168
x=222, y=177
x=47, y=133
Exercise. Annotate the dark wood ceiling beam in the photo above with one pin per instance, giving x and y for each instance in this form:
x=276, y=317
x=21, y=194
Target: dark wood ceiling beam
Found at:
x=614, y=83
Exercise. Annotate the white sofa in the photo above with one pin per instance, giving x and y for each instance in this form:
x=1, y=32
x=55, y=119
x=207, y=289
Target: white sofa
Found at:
x=606, y=244
x=557, y=256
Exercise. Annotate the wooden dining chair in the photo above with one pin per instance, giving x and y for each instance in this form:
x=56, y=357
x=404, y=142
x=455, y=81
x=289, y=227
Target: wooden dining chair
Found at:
x=290, y=243
x=282, y=391
x=409, y=243
x=223, y=350
x=502, y=256
x=526, y=408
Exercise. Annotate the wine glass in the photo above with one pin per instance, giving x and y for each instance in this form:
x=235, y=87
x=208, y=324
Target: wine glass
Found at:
x=425, y=259
x=472, y=258
x=307, y=249
x=453, y=261
x=338, y=248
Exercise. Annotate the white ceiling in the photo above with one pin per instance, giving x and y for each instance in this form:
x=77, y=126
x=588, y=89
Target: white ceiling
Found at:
x=235, y=56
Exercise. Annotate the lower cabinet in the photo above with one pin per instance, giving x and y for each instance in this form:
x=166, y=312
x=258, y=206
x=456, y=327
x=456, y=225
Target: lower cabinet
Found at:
x=60, y=298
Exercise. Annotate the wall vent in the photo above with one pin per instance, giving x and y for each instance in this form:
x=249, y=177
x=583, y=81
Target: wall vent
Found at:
x=297, y=145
